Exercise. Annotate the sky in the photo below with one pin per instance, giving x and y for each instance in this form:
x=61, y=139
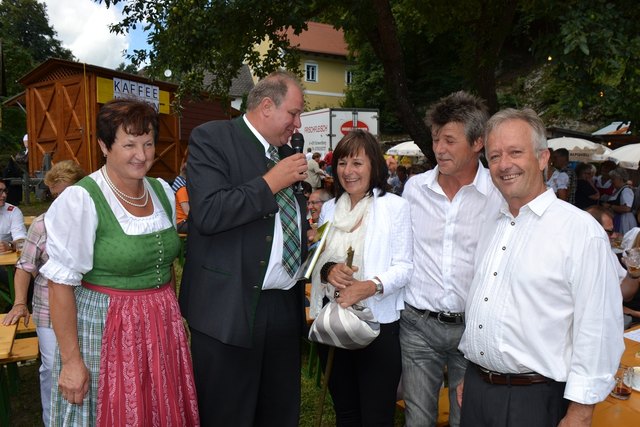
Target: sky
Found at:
x=83, y=28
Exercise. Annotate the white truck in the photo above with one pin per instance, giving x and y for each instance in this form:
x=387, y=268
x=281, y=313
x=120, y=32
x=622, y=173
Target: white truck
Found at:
x=322, y=129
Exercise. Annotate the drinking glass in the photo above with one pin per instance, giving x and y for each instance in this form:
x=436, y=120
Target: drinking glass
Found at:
x=19, y=246
x=620, y=389
x=631, y=258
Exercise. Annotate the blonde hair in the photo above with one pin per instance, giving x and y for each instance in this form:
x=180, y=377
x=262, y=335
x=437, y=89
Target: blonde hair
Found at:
x=65, y=171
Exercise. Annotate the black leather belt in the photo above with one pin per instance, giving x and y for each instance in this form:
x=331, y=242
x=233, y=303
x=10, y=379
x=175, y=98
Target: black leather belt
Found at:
x=442, y=316
x=529, y=378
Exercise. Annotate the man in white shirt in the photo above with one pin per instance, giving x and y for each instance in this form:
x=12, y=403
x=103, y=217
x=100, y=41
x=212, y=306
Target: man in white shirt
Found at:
x=449, y=207
x=563, y=180
x=559, y=183
x=629, y=283
x=315, y=174
x=544, y=321
x=12, y=227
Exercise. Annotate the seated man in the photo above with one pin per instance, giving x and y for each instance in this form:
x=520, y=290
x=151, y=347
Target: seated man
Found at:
x=314, y=206
x=629, y=284
x=12, y=228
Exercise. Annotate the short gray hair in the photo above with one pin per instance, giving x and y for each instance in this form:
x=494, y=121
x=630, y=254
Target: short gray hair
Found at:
x=619, y=173
x=274, y=87
x=323, y=194
x=538, y=130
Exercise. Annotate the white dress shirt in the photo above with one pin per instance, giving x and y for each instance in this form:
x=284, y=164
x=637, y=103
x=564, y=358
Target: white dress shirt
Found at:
x=558, y=181
x=546, y=298
x=71, y=224
x=445, y=235
x=11, y=223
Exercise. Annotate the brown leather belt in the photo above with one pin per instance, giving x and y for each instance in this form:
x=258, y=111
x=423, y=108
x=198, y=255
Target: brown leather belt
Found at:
x=497, y=378
x=442, y=316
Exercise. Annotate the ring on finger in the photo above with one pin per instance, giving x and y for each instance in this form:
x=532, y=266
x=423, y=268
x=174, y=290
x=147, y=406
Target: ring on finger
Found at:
x=336, y=295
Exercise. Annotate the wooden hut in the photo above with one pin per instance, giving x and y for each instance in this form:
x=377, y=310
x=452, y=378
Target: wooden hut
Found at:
x=63, y=98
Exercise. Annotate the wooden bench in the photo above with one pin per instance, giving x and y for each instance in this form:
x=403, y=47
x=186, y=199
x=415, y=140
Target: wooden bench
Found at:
x=7, y=334
x=30, y=328
x=443, y=407
x=23, y=349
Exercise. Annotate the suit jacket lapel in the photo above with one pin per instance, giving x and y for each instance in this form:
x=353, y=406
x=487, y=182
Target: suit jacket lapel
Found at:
x=253, y=147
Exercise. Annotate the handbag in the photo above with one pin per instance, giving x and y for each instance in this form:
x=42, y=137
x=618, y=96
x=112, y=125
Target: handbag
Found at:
x=350, y=328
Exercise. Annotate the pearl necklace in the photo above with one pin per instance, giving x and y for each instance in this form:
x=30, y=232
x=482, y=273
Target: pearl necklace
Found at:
x=125, y=198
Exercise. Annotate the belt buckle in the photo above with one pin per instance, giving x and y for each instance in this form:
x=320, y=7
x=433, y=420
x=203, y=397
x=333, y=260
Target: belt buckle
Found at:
x=450, y=318
x=440, y=313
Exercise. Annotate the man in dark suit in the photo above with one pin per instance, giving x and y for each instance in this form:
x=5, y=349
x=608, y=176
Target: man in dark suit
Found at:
x=238, y=292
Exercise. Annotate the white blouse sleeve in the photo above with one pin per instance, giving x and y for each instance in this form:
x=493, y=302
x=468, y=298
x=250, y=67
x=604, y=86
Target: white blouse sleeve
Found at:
x=18, y=230
x=562, y=181
x=626, y=199
x=71, y=224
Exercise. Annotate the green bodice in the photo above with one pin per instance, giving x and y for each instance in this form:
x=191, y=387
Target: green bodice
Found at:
x=130, y=262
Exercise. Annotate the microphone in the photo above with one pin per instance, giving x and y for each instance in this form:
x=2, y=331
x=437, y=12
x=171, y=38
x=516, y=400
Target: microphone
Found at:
x=297, y=142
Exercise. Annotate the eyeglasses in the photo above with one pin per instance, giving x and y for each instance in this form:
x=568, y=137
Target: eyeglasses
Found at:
x=4, y=190
x=317, y=202
x=609, y=232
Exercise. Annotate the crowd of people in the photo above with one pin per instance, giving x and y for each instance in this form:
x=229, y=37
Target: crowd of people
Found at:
x=608, y=190
x=447, y=260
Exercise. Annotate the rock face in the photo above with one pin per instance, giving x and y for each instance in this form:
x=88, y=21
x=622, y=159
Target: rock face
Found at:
x=534, y=88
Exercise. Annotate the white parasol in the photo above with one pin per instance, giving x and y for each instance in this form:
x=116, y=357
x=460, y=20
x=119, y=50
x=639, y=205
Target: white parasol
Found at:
x=580, y=150
x=408, y=148
x=627, y=156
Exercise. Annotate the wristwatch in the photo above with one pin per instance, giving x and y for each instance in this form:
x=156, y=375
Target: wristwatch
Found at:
x=379, y=287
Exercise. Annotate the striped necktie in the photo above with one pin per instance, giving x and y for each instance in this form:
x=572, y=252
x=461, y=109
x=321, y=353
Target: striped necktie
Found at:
x=288, y=218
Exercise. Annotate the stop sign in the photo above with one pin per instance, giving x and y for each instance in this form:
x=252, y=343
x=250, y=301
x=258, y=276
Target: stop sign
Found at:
x=348, y=126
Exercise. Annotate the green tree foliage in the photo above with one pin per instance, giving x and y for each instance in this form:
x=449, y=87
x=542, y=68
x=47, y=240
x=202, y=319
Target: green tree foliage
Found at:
x=191, y=37
x=127, y=68
x=409, y=53
x=596, y=60
x=27, y=40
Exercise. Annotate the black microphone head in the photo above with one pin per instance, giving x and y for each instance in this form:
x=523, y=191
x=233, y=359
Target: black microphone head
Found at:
x=297, y=142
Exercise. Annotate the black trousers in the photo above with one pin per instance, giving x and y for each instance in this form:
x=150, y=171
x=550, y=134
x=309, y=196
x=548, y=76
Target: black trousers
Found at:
x=364, y=383
x=260, y=386
x=491, y=405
